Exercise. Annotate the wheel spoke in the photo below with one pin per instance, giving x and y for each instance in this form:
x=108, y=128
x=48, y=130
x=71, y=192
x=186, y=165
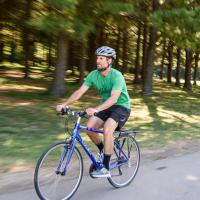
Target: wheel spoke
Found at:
x=128, y=160
x=50, y=185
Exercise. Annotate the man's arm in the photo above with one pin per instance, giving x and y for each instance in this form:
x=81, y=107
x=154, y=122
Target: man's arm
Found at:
x=108, y=103
x=74, y=97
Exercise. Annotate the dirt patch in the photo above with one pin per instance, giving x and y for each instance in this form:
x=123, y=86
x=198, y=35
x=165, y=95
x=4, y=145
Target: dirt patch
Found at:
x=22, y=177
x=173, y=149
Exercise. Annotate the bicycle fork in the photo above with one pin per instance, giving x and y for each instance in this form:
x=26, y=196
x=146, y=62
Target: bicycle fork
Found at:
x=62, y=158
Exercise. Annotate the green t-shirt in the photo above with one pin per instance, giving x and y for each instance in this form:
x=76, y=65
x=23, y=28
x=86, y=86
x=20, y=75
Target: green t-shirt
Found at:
x=113, y=81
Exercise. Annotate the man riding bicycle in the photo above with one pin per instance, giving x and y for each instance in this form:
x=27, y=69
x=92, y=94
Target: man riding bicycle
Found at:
x=114, y=109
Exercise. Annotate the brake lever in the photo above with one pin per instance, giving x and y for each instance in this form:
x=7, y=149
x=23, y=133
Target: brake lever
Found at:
x=82, y=114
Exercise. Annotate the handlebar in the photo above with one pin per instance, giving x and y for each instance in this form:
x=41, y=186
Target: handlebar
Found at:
x=68, y=111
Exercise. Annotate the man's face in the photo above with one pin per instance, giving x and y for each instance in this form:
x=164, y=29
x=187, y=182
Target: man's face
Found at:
x=103, y=62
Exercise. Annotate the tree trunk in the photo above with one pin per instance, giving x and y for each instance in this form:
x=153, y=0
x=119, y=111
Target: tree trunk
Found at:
x=74, y=55
x=148, y=70
x=91, y=62
x=137, y=58
x=58, y=88
x=144, y=49
x=118, y=47
x=196, y=68
x=170, y=64
x=178, y=56
x=26, y=52
x=82, y=62
x=13, y=52
x=163, y=60
x=1, y=45
x=101, y=35
x=49, y=55
x=1, y=51
x=26, y=39
x=188, y=65
x=124, y=55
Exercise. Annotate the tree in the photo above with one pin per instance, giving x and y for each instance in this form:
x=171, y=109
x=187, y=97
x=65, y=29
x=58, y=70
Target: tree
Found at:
x=58, y=20
x=188, y=68
x=1, y=46
x=125, y=47
x=178, y=57
x=170, y=61
x=26, y=33
x=182, y=26
x=58, y=88
x=144, y=48
x=148, y=71
x=10, y=18
x=163, y=59
x=137, y=58
x=196, y=68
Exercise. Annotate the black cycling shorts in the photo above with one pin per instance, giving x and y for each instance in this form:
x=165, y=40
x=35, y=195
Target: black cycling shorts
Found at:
x=119, y=113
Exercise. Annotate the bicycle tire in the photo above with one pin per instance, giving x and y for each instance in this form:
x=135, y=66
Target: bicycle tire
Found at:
x=123, y=175
x=52, y=186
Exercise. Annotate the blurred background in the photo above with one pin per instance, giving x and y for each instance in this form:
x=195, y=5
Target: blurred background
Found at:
x=47, y=49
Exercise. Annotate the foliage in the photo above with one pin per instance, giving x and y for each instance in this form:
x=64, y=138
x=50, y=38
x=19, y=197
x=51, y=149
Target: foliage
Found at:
x=90, y=23
x=181, y=25
x=74, y=18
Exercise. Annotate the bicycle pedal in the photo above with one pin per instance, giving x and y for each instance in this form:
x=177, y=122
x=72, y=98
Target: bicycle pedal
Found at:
x=62, y=173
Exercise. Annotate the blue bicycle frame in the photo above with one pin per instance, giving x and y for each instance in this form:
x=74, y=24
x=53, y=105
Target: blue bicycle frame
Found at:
x=72, y=142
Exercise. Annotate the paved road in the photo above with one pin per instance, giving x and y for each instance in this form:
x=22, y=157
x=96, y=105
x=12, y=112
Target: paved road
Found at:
x=175, y=178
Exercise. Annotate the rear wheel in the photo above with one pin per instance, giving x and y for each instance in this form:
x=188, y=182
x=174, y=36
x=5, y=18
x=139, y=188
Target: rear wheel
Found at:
x=51, y=183
x=125, y=161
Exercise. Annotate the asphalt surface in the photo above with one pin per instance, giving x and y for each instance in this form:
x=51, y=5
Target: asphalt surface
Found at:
x=176, y=178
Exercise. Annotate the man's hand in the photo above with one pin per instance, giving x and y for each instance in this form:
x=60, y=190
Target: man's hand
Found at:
x=60, y=107
x=91, y=111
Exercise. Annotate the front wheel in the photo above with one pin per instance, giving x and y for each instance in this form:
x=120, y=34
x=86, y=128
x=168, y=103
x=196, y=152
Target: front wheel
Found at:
x=51, y=181
x=124, y=162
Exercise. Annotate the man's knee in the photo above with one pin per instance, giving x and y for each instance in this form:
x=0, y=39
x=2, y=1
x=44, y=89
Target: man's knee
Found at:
x=93, y=124
x=90, y=125
x=110, y=125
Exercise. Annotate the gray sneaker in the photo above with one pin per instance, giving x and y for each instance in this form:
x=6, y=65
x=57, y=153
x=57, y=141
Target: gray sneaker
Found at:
x=101, y=173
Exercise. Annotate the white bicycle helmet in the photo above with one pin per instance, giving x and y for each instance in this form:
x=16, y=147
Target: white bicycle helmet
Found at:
x=106, y=51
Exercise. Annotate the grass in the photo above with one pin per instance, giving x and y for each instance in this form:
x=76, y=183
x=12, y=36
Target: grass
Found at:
x=170, y=114
x=28, y=121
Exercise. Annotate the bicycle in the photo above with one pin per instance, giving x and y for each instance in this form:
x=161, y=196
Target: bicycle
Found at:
x=59, y=170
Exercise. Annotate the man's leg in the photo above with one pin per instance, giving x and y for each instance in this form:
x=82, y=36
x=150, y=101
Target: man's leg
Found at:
x=109, y=128
x=97, y=123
